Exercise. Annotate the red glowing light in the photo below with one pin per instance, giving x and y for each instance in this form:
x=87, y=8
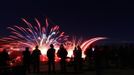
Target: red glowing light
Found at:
x=43, y=36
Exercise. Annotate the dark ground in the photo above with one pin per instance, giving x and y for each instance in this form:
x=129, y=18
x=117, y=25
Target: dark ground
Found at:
x=85, y=71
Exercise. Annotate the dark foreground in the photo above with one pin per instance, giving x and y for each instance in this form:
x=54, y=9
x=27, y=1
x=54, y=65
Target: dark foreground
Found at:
x=85, y=71
x=104, y=72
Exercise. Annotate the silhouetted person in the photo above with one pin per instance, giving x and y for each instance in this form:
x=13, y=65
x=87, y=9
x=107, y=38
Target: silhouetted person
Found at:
x=80, y=60
x=51, y=58
x=89, y=56
x=26, y=59
x=76, y=58
x=98, y=58
x=62, y=53
x=132, y=56
x=36, y=59
x=4, y=59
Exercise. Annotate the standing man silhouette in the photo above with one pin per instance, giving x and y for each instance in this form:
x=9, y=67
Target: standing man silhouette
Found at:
x=75, y=53
x=98, y=58
x=51, y=58
x=36, y=59
x=62, y=53
x=4, y=58
x=26, y=59
x=79, y=55
x=4, y=62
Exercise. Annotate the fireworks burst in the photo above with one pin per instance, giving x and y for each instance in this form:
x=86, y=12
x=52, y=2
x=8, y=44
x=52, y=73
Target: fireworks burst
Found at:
x=84, y=44
x=43, y=36
x=38, y=34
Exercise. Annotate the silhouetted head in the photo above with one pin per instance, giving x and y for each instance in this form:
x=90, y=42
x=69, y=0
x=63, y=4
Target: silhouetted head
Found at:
x=75, y=48
x=61, y=46
x=27, y=48
x=51, y=45
x=36, y=47
x=78, y=47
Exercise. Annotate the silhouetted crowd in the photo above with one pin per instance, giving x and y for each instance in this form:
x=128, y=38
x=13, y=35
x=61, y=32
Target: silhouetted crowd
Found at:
x=96, y=57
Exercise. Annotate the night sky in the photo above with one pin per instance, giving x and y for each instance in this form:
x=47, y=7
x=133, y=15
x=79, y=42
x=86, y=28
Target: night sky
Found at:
x=113, y=19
